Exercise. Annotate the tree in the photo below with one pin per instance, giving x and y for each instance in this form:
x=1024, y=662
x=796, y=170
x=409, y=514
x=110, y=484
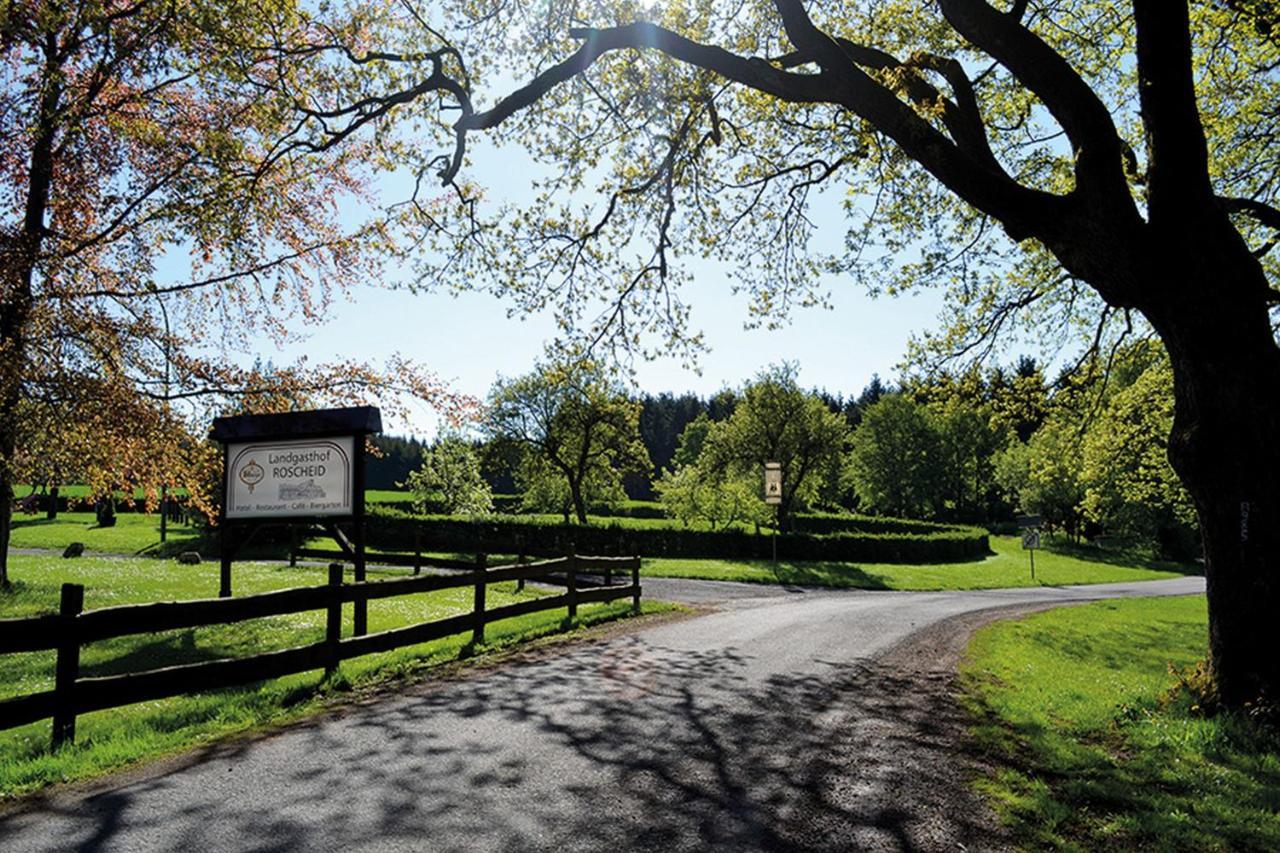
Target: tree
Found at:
x=776, y=421
x=1043, y=475
x=692, y=439
x=450, y=477
x=576, y=428
x=1105, y=164
x=895, y=463
x=138, y=131
x=968, y=442
x=691, y=492
x=1128, y=485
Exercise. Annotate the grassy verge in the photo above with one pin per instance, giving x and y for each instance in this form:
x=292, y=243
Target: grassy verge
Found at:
x=108, y=740
x=1092, y=749
x=1007, y=567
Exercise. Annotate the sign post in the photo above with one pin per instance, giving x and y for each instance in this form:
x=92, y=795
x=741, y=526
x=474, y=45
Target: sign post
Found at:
x=295, y=468
x=1030, y=525
x=773, y=496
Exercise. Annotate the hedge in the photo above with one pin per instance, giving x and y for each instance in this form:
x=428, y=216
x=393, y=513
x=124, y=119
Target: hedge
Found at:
x=389, y=529
x=822, y=523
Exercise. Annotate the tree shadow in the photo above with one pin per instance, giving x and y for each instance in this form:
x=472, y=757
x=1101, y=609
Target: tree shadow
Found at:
x=624, y=745
x=1119, y=556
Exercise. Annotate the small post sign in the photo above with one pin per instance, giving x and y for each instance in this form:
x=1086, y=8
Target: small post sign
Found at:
x=1030, y=525
x=773, y=497
x=773, y=483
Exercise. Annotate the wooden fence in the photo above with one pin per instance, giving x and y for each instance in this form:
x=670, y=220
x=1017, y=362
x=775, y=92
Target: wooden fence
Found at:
x=72, y=627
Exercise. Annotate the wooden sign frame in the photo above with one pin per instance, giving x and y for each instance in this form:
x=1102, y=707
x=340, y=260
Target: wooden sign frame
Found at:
x=357, y=422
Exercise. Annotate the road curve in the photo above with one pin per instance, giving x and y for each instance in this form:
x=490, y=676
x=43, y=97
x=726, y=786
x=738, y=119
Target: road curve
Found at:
x=782, y=720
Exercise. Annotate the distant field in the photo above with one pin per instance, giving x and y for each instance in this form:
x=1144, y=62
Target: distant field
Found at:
x=387, y=496
x=139, y=534
x=134, y=533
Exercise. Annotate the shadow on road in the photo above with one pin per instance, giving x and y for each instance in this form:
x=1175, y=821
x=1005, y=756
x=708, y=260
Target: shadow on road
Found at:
x=622, y=746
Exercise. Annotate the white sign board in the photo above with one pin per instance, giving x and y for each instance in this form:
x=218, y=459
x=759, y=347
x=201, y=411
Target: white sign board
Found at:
x=299, y=477
x=1030, y=539
x=772, y=483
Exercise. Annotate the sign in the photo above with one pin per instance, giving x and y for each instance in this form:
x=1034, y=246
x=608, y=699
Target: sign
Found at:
x=293, y=478
x=773, y=483
x=1030, y=521
x=287, y=467
x=1030, y=539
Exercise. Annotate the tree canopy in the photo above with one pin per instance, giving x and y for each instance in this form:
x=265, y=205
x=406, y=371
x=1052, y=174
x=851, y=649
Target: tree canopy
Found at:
x=165, y=204
x=577, y=431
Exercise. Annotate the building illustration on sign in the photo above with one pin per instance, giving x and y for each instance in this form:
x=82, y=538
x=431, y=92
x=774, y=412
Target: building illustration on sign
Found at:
x=300, y=491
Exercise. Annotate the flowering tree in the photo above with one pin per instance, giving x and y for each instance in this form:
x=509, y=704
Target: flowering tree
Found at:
x=164, y=202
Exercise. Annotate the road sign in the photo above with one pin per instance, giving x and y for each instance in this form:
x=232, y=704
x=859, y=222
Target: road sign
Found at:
x=1030, y=539
x=1030, y=521
x=773, y=483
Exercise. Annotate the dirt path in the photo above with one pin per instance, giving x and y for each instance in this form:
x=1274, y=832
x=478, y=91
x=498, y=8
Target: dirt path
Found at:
x=816, y=721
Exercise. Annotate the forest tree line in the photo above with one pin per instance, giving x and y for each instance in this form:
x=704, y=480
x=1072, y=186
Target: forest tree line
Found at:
x=1086, y=450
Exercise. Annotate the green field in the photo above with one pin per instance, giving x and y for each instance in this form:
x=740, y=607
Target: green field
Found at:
x=1007, y=567
x=1092, y=748
x=110, y=739
x=134, y=533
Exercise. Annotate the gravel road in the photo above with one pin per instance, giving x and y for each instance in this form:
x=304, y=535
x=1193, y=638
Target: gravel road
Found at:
x=780, y=720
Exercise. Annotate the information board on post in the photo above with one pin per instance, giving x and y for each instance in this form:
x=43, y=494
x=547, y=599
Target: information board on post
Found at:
x=291, y=478
x=773, y=483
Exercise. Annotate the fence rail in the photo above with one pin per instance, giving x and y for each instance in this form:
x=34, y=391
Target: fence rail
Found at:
x=72, y=627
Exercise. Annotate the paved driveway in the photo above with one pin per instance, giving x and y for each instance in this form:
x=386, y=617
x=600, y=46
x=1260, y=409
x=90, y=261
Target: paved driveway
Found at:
x=805, y=720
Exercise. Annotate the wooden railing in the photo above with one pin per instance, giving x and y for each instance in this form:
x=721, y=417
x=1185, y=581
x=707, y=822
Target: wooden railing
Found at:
x=72, y=627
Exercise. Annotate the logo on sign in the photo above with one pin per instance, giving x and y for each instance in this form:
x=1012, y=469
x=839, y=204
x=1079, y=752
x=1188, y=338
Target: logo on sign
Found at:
x=251, y=474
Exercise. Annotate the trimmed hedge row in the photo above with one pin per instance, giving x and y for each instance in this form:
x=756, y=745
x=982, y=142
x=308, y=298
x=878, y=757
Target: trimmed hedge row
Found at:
x=824, y=523
x=389, y=529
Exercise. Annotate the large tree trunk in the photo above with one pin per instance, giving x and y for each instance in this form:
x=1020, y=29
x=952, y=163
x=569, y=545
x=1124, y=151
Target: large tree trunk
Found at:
x=1225, y=446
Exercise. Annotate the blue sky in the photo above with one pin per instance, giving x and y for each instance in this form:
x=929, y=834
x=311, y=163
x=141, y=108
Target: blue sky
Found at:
x=469, y=340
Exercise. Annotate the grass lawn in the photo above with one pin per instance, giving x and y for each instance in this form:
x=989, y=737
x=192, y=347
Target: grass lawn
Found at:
x=1092, y=749
x=137, y=533
x=133, y=533
x=106, y=740
x=1007, y=567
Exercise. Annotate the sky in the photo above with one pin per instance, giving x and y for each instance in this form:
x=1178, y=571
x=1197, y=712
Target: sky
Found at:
x=468, y=340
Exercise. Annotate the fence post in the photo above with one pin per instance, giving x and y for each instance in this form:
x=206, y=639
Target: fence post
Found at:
x=520, y=562
x=635, y=585
x=571, y=582
x=477, y=631
x=68, y=666
x=417, y=551
x=293, y=545
x=333, y=619
x=360, y=616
